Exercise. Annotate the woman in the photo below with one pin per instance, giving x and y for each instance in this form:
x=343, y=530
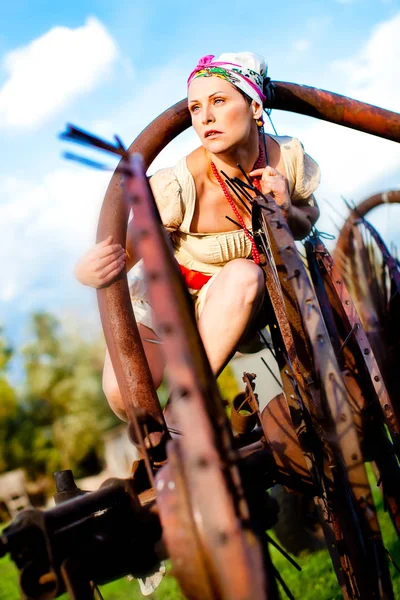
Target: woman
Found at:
x=225, y=99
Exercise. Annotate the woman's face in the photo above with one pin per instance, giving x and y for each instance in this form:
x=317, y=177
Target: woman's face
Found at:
x=221, y=116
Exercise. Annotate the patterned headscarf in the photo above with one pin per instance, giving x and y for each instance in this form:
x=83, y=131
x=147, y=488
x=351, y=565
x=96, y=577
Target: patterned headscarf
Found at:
x=245, y=70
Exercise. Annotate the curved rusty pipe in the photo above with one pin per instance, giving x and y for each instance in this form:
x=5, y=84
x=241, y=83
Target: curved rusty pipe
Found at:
x=338, y=109
x=343, y=244
x=122, y=337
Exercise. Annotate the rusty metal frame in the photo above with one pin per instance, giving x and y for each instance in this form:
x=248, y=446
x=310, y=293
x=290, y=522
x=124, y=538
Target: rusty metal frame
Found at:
x=361, y=374
x=355, y=326
x=204, y=451
x=343, y=242
x=341, y=434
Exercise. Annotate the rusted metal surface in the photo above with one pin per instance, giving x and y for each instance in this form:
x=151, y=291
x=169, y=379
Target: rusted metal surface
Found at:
x=338, y=109
x=372, y=276
x=180, y=530
x=343, y=244
x=357, y=331
x=243, y=415
x=245, y=410
x=205, y=446
x=285, y=446
x=361, y=375
x=342, y=436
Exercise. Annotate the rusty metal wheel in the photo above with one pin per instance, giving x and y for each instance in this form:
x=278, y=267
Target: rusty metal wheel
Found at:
x=372, y=276
x=373, y=409
x=346, y=495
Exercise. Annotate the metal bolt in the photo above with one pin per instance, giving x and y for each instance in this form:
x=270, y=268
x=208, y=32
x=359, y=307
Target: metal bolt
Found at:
x=153, y=276
x=202, y=462
x=183, y=393
x=223, y=537
x=166, y=328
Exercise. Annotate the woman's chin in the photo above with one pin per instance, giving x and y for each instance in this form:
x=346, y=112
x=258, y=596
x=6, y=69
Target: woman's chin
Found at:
x=216, y=146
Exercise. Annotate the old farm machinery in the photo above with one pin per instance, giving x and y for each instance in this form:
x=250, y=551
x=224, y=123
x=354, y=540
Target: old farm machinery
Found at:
x=198, y=495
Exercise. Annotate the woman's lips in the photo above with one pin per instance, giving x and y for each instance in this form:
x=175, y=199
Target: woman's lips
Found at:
x=212, y=133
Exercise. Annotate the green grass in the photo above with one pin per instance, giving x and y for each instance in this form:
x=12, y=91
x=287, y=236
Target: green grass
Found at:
x=316, y=581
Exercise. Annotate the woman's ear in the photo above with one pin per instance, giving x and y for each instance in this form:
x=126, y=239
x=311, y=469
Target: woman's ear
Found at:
x=257, y=109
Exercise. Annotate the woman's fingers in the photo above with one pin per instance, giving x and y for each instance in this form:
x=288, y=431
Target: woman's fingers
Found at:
x=112, y=270
x=104, y=251
x=272, y=182
x=266, y=172
x=104, y=262
x=106, y=242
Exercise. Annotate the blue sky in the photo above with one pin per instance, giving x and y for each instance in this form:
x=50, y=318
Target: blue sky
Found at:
x=113, y=67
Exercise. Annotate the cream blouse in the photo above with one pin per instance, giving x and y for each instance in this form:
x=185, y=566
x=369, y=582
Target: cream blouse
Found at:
x=175, y=194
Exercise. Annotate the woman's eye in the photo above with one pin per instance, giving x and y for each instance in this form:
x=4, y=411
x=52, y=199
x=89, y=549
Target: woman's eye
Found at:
x=218, y=100
x=194, y=108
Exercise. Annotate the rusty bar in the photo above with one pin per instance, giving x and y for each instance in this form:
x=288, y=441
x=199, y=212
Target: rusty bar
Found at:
x=338, y=109
x=208, y=458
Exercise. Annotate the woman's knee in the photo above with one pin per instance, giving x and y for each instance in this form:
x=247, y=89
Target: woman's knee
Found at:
x=244, y=279
x=112, y=392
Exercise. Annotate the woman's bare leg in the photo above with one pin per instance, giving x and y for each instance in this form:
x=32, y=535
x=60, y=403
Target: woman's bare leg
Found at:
x=233, y=300
x=156, y=362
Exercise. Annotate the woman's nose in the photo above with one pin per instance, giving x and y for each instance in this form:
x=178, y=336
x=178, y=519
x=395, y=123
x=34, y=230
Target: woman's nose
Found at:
x=208, y=116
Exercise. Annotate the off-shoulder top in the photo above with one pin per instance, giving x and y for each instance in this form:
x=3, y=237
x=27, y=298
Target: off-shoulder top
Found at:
x=175, y=194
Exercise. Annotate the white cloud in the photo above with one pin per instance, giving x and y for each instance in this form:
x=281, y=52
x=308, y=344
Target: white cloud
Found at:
x=354, y=164
x=49, y=225
x=374, y=73
x=301, y=45
x=52, y=71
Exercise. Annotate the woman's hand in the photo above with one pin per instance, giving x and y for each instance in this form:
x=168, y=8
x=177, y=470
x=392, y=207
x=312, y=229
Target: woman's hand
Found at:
x=101, y=264
x=272, y=182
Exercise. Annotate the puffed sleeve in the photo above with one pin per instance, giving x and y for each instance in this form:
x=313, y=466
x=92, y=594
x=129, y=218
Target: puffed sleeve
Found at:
x=168, y=196
x=303, y=174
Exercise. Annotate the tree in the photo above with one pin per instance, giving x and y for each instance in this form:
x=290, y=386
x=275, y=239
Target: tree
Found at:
x=8, y=400
x=63, y=411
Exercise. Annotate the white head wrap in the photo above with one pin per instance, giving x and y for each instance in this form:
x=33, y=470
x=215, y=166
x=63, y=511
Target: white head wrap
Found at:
x=245, y=70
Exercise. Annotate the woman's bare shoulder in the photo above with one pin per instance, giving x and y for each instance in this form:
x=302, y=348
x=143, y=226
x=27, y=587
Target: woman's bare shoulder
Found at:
x=196, y=162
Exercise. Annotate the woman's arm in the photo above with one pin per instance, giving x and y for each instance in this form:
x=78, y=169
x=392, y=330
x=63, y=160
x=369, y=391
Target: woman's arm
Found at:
x=300, y=218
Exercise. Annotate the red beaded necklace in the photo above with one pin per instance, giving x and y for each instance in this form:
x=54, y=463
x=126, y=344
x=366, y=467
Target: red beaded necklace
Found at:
x=254, y=252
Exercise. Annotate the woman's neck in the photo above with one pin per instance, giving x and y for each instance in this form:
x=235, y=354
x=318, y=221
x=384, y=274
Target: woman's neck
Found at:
x=246, y=155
